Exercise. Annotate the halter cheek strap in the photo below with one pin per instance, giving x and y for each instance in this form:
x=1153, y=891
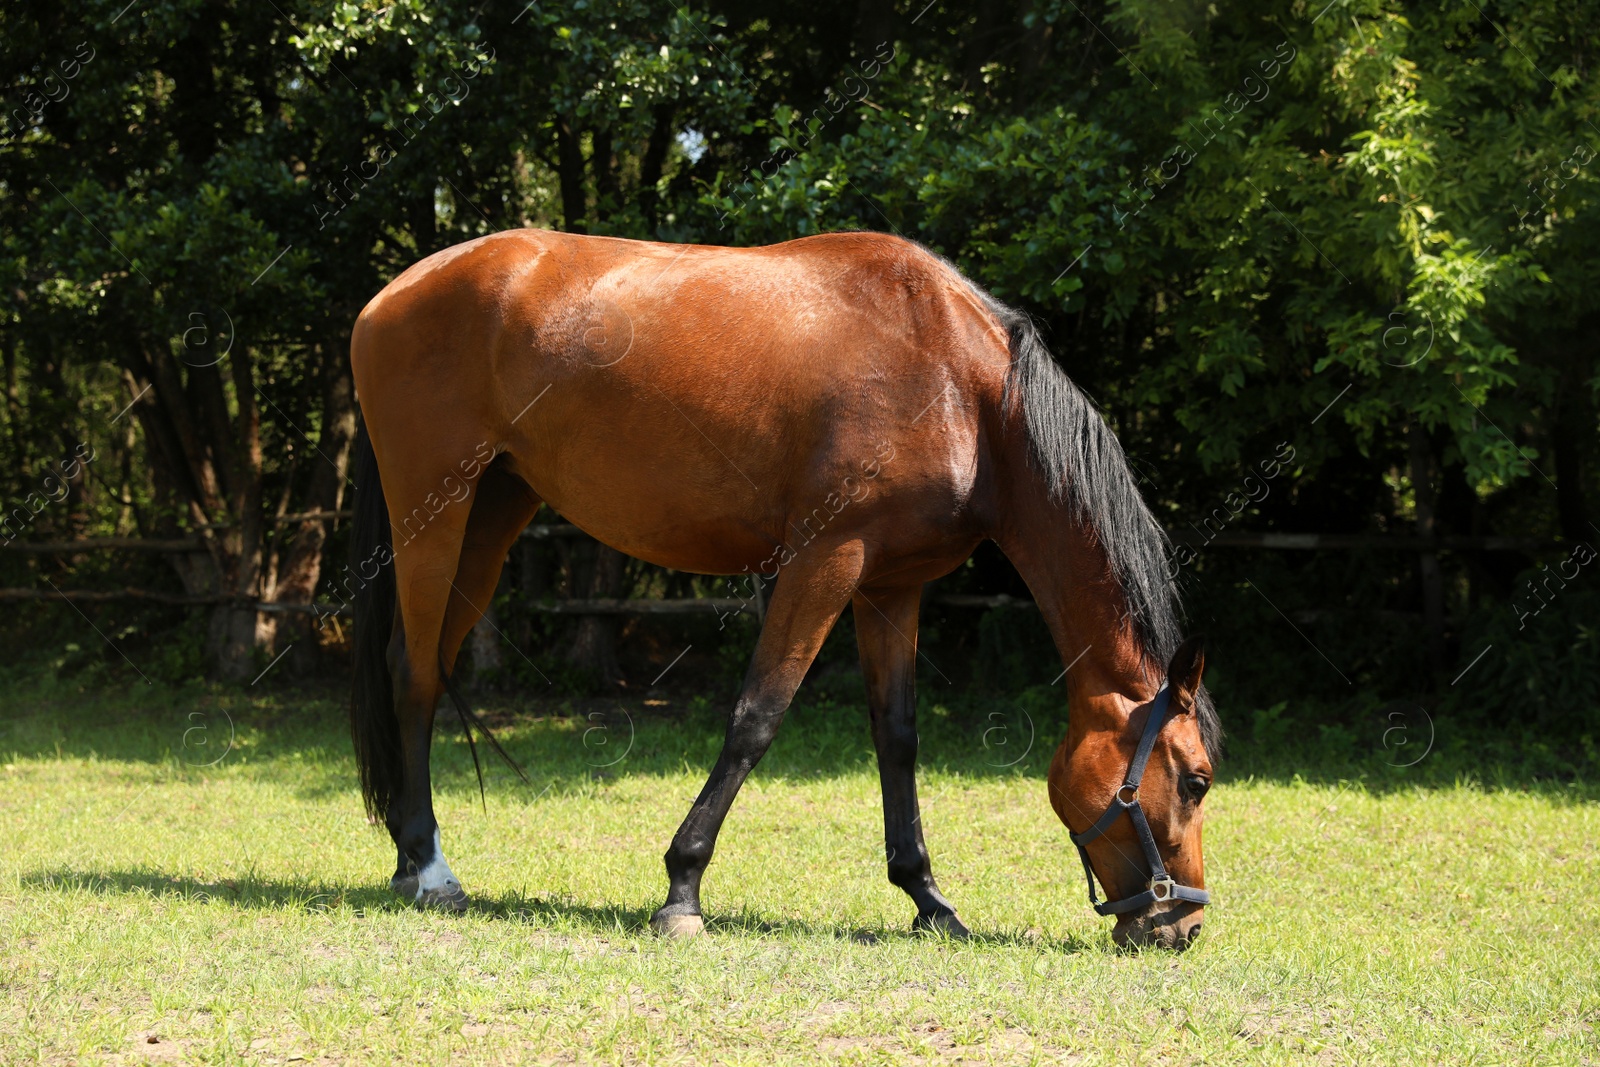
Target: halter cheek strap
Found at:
x=1162, y=887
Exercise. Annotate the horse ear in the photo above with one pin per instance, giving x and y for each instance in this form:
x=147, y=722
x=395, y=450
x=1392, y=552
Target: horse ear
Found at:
x=1183, y=673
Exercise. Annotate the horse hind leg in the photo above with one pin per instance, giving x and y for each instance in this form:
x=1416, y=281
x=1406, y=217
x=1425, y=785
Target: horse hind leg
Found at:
x=427, y=552
x=501, y=507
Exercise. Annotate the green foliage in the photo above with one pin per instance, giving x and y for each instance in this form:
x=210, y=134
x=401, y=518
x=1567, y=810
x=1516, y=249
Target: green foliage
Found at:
x=1541, y=667
x=1014, y=651
x=1350, y=226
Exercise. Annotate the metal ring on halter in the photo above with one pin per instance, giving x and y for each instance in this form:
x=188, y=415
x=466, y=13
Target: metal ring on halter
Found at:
x=1162, y=887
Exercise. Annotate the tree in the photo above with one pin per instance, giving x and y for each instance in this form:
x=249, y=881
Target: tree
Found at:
x=211, y=192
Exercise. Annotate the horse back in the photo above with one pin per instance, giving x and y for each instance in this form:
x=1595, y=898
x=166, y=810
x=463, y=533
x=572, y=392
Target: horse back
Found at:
x=699, y=406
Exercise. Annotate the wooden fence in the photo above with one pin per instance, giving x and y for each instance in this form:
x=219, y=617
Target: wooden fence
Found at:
x=1192, y=537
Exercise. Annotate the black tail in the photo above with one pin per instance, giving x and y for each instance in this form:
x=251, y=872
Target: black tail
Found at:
x=373, y=725
x=469, y=719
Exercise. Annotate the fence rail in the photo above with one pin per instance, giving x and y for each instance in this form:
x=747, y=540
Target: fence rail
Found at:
x=720, y=606
x=1194, y=538
x=1184, y=536
x=100, y=544
x=1359, y=542
x=125, y=593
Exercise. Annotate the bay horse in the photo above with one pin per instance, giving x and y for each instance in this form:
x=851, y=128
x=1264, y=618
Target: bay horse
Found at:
x=846, y=414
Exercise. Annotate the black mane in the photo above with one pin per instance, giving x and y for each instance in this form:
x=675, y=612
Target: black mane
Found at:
x=1083, y=463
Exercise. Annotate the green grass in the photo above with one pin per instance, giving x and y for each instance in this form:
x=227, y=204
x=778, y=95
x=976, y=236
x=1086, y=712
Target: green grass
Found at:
x=239, y=912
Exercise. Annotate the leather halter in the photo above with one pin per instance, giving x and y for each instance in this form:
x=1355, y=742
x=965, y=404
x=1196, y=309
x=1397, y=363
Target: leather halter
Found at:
x=1162, y=888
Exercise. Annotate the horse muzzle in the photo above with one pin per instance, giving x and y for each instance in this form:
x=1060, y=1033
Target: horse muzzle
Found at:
x=1173, y=926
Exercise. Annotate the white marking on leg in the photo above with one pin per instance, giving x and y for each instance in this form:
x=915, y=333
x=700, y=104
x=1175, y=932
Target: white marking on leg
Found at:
x=437, y=874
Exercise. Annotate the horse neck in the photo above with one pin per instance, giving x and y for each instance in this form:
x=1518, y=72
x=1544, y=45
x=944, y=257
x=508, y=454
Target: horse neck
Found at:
x=1070, y=577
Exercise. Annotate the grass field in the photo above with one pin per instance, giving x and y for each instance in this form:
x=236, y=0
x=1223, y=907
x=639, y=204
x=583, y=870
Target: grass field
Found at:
x=156, y=909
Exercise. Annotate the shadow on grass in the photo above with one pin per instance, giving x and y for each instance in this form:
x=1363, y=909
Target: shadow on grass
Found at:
x=296, y=737
x=253, y=893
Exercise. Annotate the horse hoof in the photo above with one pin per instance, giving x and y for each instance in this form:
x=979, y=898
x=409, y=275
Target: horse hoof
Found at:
x=449, y=897
x=677, y=927
x=404, y=885
x=944, y=924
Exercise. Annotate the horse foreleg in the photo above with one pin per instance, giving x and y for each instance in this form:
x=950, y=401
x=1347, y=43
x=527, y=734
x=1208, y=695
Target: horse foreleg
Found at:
x=811, y=592
x=886, y=632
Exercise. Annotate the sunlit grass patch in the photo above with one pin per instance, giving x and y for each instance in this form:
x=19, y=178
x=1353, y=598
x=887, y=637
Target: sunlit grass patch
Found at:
x=238, y=911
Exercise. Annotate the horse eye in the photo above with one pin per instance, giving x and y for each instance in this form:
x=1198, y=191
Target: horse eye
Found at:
x=1196, y=786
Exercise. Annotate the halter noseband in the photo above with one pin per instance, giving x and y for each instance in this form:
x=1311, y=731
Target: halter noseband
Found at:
x=1162, y=887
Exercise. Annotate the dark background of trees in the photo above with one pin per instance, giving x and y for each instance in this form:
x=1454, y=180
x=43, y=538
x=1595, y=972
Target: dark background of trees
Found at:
x=1364, y=228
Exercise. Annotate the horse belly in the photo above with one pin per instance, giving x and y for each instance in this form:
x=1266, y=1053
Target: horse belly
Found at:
x=679, y=512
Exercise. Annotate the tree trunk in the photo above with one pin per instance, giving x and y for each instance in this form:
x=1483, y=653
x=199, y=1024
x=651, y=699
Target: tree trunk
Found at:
x=237, y=631
x=1036, y=41
x=242, y=562
x=569, y=160
x=1432, y=580
x=209, y=461
x=1572, y=435
x=650, y=166
x=607, y=187
x=485, y=643
x=594, y=645
x=301, y=566
x=980, y=47
x=424, y=223
x=874, y=26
